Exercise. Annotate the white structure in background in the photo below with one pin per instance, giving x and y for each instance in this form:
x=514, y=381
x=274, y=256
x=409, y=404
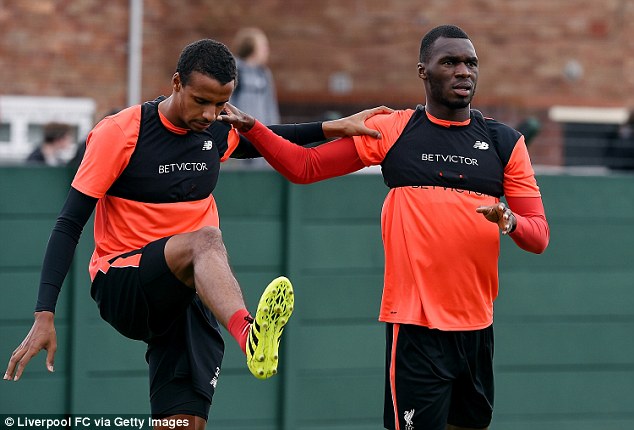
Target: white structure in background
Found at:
x=589, y=115
x=22, y=118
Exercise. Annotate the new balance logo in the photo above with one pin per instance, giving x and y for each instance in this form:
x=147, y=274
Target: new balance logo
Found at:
x=207, y=145
x=214, y=380
x=481, y=145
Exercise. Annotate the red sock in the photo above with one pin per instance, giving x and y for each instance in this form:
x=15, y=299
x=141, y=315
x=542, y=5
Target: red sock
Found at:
x=239, y=325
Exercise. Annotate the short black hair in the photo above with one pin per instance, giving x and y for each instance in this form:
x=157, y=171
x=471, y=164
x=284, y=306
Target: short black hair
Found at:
x=209, y=57
x=449, y=31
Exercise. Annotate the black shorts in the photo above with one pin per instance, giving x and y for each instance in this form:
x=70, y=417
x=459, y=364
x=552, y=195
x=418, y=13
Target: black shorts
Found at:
x=141, y=298
x=435, y=378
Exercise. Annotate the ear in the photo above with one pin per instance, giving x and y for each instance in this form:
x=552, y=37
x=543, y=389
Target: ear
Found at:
x=176, y=82
x=422, y=73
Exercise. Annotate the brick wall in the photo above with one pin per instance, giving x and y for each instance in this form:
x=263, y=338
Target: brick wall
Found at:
x=79, y=48
x=64, y=48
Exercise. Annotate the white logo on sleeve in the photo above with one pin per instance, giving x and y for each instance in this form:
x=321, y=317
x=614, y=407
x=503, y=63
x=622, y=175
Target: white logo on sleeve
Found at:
x=214, y=380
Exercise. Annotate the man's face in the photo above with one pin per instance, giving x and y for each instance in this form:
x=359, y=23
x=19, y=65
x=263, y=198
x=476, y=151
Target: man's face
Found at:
x=200, y=101
x=451, y=74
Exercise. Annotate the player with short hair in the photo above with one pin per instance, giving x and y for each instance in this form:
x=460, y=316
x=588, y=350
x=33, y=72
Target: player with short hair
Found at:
x=160, y=271
x=447, y=168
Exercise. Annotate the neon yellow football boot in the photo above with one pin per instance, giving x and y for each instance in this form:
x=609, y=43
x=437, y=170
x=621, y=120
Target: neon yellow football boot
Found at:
x=274, y=310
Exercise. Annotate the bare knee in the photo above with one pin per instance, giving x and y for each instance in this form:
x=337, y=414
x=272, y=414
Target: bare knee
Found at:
x=198, y=242
x=182, y=251
x=208, y=248
x=205, y=240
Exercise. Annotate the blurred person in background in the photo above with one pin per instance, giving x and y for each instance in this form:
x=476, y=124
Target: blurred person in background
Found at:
x=81, y=147
x=58, y=146
x=255, y=92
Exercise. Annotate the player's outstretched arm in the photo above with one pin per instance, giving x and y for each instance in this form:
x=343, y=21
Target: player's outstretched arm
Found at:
x=41, y=336
x=354, y=125
x=298, y=164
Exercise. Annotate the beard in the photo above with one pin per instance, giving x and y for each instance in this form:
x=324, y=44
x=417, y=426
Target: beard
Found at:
x=458, y=104
x=440, y=96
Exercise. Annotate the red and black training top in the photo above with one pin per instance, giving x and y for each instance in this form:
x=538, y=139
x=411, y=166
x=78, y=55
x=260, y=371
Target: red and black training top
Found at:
x=148, y=179
x=152, y=179
x=441, y=256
